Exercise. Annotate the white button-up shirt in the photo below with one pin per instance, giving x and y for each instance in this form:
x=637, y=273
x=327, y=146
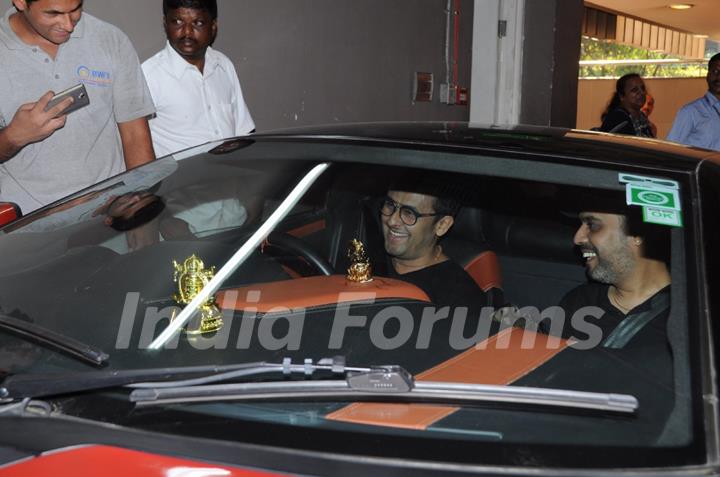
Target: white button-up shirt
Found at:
x=192, y=107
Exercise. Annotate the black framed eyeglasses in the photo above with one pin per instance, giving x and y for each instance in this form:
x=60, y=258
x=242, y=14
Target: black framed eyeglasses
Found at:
x=408, y=215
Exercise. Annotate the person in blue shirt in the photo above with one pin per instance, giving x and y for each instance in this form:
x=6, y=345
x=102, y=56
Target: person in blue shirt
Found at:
x=698, y=123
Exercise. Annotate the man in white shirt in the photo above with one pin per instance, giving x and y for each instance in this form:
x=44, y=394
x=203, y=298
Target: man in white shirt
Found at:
x=195, y=88
x=198, y=99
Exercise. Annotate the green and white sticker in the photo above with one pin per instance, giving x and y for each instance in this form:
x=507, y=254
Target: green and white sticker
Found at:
x=658, y=197
x=656, y=215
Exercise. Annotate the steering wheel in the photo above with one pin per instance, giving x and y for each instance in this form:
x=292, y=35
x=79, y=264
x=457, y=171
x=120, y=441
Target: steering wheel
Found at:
x=301, y=248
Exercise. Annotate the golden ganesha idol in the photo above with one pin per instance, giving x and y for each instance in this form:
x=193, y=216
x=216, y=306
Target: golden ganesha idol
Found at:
x=191, y=277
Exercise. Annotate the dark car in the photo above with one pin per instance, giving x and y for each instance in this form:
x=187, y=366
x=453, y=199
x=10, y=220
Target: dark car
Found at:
x=233, y=307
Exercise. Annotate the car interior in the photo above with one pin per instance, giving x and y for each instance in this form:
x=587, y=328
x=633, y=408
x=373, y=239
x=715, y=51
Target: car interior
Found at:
x=511, y=236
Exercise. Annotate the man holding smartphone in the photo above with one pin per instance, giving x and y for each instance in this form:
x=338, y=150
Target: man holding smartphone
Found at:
x=49, y=46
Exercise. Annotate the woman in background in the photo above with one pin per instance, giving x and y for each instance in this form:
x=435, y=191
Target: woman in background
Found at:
x=623, y=114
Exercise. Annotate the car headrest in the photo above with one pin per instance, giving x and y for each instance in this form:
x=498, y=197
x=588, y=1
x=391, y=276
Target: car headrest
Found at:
x=533, y=238
x=469, y=225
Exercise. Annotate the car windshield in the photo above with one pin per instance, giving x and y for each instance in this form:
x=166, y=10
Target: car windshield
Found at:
x=113, y=266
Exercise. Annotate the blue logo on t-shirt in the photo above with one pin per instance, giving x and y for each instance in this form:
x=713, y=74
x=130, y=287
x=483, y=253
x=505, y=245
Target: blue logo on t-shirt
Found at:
x=93, y=77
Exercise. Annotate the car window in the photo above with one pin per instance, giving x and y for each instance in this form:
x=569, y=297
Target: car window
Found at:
x=540, y=240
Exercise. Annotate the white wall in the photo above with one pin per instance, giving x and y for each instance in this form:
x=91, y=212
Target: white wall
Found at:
x=304, y=62
x=496, y=91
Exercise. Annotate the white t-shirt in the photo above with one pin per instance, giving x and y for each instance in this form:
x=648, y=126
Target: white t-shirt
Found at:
x=193, y=108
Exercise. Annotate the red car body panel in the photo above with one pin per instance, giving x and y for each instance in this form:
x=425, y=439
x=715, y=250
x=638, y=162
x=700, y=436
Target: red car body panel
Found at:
x=92, y=461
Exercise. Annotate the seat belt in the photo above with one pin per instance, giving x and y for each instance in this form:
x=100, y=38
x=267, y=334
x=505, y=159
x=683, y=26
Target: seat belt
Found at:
x=633, y=323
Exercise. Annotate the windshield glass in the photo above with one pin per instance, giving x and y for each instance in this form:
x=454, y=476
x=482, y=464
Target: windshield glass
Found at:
x=90, y=266
x=516, y=278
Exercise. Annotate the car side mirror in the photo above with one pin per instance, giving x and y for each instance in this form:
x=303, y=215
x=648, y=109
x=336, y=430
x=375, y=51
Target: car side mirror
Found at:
x=9, y=212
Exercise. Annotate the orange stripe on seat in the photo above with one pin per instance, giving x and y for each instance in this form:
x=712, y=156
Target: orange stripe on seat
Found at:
x=291, y=272
x=307, y=229
x=501, y=359
x=309, y=292
x=406, y=416
x=485, y=270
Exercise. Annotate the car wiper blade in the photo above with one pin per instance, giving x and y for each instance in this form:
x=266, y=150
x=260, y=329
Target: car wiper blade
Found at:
x=42, y=385
x=53, y=340
x=359, y=383
x=384, y=383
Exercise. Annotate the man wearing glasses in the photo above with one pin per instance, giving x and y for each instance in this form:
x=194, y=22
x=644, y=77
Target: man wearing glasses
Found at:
x=414, y=219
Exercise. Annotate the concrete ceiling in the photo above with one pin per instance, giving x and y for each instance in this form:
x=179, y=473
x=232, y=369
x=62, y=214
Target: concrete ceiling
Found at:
x=702, y=19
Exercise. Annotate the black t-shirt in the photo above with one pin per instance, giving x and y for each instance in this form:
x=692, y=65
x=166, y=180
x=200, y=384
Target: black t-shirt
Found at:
x=446, y=284
x=633, y=357
x=650, y=318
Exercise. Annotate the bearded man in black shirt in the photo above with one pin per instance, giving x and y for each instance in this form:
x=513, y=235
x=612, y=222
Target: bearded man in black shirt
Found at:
x=630, y=279
x=618, y=320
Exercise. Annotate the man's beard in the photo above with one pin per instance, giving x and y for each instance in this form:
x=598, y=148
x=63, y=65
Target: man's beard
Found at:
x=611, y=271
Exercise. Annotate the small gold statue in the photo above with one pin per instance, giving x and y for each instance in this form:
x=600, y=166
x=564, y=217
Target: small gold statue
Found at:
x=191, y=277
x=360, y=270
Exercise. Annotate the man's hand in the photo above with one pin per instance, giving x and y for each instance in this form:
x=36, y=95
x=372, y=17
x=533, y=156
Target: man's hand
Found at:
x=32, y=123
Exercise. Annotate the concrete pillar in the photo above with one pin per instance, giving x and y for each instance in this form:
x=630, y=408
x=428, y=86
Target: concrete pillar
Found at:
x=525, y=62
x=551, y=51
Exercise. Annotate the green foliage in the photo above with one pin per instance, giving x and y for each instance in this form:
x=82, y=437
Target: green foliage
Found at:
x=606, y=50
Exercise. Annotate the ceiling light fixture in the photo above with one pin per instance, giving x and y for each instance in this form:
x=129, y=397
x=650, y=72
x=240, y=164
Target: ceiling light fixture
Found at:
x=681, y=6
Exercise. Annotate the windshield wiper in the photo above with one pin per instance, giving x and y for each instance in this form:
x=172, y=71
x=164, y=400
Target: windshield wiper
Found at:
x=385, y=383
x=43, y=385
x=53, y=340
x=377, y=383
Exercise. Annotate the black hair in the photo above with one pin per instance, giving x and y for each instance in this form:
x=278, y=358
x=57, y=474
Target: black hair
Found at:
x=656, y=238
x=209, y=6
x=448, y=198
x=140, y=217
x=446, y=205
x=619, y=91
x=715, y=57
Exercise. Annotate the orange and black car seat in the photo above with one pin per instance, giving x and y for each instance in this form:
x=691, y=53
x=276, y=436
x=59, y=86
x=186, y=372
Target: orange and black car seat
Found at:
x=466, y=244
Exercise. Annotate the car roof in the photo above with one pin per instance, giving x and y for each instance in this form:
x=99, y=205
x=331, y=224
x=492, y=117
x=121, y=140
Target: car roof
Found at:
x=537, y=140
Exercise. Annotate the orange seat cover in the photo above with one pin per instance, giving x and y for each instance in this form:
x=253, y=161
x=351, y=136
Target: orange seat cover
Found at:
x=501, y=359
x=485, y=270
x=315, y=291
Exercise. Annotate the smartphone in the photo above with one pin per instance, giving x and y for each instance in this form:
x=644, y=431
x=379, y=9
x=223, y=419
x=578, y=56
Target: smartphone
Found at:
x=79, y=95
